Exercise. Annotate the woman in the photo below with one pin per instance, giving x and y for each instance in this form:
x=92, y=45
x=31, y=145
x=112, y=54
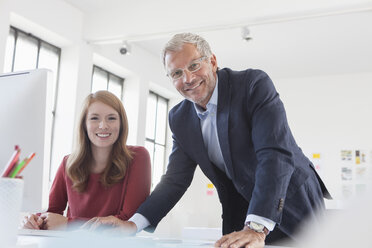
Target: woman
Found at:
x=103, y=177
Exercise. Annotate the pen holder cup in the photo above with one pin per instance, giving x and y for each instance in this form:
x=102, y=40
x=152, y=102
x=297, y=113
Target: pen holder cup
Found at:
x=11, y=192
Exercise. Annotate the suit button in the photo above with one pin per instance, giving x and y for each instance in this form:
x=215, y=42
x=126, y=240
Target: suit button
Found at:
x=281, y=204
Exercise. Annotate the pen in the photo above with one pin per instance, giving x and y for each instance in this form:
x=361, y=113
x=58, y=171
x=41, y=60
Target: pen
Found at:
x=32, y=155
x=12, y=161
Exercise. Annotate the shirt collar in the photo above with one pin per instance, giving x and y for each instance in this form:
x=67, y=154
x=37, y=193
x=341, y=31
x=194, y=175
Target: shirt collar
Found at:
x=212, y=103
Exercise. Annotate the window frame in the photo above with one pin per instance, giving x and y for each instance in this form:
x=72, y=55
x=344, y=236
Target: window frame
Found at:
x=153, y=141
x=39, y=44
x=108, y=76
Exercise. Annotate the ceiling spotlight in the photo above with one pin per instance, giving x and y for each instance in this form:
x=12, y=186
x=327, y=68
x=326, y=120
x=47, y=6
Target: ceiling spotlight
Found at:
x=246, y=33
x=125, y=48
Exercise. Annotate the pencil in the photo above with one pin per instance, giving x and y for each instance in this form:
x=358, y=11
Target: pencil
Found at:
x=32, y=155
x=12, y=162
x=17, y=168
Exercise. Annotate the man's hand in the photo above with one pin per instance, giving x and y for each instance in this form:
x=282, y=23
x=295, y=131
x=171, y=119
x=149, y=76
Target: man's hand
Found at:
x=54, y=221
x=246, y=238
x=119, y=226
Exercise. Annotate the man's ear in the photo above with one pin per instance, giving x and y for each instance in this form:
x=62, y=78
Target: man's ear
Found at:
x=214, y=62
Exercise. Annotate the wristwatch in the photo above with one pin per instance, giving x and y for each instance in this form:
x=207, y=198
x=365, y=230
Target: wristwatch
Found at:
x=257, y=227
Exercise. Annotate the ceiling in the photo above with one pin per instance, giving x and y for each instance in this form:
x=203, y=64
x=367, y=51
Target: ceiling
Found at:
x=290, y=38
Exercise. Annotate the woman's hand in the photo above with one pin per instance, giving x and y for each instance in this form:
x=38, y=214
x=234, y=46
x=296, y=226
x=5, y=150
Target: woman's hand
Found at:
x=33, y=221
x=54, y=221
x=117, y=225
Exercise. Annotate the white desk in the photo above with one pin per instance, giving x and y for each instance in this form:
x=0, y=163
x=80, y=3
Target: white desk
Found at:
x=80, y=239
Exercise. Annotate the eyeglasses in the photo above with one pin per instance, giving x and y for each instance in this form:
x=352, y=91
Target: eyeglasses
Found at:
x=194, y=66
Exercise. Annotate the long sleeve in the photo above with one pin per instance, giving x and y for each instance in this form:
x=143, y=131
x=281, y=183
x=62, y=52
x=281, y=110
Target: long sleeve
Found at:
x=58, y=193
x=138, y=184
x=274, y=146
x=140, y=221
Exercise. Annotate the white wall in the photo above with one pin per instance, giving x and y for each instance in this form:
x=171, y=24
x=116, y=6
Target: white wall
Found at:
x=328, y=114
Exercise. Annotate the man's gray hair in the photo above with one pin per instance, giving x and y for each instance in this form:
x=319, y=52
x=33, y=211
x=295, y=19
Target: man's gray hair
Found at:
x=175, y=44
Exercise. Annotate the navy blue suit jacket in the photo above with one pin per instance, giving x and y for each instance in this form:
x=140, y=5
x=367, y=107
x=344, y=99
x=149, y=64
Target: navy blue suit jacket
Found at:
x=268, y=169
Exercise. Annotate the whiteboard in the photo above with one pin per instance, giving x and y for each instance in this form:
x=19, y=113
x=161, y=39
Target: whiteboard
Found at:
x=26, y=120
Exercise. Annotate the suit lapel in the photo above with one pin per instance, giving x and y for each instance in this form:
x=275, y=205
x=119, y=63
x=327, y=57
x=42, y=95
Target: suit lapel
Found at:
x=195, y=141
x=223, y=107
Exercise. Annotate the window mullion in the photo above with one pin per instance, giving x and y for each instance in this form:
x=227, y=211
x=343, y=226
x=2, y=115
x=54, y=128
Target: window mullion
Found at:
x=156, y=117
x=38, y=53
x=108, y=80
x=15, y=47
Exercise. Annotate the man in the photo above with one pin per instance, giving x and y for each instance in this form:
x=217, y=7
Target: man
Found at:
x=233, y=125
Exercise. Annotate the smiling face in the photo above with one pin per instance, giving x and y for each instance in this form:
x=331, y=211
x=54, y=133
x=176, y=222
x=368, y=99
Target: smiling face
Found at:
x=195, y=86
x=102, y=124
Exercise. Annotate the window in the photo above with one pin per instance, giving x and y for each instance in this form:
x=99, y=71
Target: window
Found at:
x=27, y=52
x=156, y=127
x=104, y=80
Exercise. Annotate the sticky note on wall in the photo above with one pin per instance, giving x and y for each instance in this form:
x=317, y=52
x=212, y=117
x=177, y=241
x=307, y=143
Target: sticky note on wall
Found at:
x=210, y=189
